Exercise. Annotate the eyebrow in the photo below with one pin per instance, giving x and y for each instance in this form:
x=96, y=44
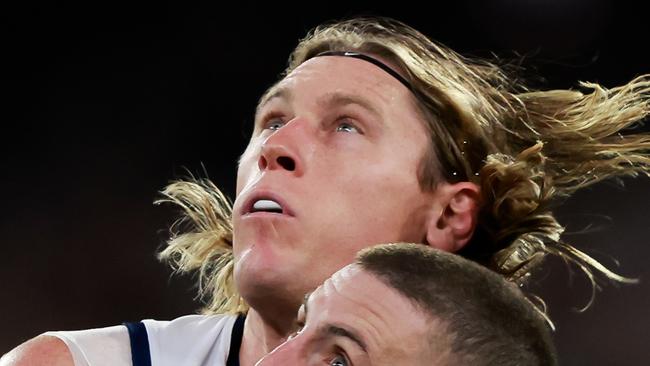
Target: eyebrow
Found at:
x=343, y=99
x=342, y=332
x=274, y=92
x=334, y=330
x=329, y=100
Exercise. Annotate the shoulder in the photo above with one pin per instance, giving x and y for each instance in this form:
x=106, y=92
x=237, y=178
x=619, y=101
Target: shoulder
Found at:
x=190, y=324
x=98, y=346
x=43, y=350
x=190, y=340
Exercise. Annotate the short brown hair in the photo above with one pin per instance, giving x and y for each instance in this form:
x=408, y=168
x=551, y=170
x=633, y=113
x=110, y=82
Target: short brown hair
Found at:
x=489, y=321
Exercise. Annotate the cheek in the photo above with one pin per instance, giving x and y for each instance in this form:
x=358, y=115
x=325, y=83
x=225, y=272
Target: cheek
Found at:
x=247, y=166
x=389, y=201
x=390, y=183
x=242, y=178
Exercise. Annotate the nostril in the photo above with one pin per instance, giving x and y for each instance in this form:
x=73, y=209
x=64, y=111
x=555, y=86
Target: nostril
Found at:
x=287, y=163
x=261, y=163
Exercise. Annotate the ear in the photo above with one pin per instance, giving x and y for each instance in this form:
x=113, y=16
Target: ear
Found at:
x=454, y=216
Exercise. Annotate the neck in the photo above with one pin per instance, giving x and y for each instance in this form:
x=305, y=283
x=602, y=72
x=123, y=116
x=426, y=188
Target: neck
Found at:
x=261, y=337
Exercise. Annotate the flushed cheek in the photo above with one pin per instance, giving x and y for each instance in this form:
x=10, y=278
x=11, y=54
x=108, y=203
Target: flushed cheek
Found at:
x=392, y=185
x=395, y=206
x=369, y=193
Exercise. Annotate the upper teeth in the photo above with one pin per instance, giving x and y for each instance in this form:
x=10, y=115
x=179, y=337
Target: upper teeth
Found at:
x=267, y=205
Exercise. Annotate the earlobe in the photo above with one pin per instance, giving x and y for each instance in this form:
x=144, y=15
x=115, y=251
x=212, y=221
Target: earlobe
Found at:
x=454, y=216
x=440, y=237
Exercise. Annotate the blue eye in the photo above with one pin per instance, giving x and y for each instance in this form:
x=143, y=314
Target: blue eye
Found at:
x=274, y=125
x=347, y=127
x=338, y=361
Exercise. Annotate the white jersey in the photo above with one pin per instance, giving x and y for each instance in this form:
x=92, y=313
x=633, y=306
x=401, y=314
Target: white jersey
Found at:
x=192, y=340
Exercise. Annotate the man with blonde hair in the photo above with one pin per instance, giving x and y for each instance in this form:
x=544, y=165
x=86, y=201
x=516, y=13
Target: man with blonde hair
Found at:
x=374, y=134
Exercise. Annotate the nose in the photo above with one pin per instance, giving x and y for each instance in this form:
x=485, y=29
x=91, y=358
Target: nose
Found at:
x=285, y=148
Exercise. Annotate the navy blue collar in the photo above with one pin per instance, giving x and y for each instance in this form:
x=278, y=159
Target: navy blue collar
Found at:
x=235, y=341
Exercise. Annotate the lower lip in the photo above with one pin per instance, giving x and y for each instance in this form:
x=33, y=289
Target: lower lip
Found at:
x=267, y=215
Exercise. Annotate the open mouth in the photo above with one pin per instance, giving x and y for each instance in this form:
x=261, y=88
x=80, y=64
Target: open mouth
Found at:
x=266, y=205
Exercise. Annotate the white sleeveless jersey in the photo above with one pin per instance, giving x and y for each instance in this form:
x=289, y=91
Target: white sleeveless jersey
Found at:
x=192, y=340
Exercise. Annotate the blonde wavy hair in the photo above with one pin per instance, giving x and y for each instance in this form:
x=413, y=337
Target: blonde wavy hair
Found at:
x=524, y=149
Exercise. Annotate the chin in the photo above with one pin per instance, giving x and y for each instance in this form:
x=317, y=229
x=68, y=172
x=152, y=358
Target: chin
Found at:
x=263, y=275
x=270, y=294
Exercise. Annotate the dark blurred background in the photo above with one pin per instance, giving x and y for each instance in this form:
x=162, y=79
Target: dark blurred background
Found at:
x=103, y=103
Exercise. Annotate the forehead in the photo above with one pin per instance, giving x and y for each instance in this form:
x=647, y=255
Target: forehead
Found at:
x=337, y=74
x=391, y=327
x=354, y=284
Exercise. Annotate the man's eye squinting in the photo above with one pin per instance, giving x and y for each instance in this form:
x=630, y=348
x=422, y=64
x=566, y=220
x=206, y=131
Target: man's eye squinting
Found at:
x=347, y=127
x=339, y=360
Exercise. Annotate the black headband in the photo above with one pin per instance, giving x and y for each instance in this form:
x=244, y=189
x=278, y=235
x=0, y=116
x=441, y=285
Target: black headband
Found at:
x=373, y=61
